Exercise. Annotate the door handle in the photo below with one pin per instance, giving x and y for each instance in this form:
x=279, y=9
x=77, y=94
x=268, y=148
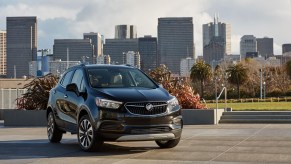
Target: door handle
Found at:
x=65, y=96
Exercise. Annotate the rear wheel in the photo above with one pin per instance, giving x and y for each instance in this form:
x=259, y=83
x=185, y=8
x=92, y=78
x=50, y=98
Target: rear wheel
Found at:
x=168, y=143
x=87, y=136
x=53, y=133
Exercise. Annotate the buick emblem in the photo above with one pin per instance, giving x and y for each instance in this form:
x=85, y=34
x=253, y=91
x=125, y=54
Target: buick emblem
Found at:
x=149, y=107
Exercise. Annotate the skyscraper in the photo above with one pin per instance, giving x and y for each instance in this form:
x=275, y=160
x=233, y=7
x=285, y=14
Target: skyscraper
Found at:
x=248, y=43
x=21, y=45
x=265, y=47
x=116, y=47
x=216, y=33
x=2, y=53
x=96, y=41
x=73, y=50
x=147, y=47
x=125, y=32
x=175, y=41
x=286, y=48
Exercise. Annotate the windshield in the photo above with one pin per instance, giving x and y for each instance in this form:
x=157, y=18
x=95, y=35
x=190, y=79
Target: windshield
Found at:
x=114, y=77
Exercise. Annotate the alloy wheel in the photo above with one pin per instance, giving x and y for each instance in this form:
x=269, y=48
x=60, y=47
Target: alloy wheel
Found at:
x=50, y=126
x=85, y=133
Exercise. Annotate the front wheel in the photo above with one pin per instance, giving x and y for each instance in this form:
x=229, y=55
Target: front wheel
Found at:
x=87, y=137
x=53, y=133
x=168, y=143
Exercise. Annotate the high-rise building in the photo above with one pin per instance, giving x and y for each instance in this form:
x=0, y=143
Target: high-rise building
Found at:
x=286, y=48
x=116, y=47
x=21, y=45
x=132, y=58
x=2, y=53
x=103, y=59
x=147, y=47
x=175, y=41
x=212, y=32
x=73, y=50
x=248, y=43
x=265, y=47
x=125, y=32
x=96, y=41
x=185, y=66
x=214, y=52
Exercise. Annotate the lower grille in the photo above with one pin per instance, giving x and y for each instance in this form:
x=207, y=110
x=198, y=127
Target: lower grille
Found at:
x=140, y=108
x=151, y=130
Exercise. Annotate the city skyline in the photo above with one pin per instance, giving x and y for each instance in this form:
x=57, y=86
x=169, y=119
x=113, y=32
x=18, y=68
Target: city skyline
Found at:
x=70, y=19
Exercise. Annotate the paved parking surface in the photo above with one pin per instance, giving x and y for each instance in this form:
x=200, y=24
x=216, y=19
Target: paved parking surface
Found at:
x=226, y=143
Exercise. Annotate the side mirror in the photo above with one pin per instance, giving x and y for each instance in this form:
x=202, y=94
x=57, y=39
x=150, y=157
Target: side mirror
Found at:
x=73, y=88
x=160, y=85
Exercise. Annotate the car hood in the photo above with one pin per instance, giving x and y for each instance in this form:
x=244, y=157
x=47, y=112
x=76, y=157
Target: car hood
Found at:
x=135, y=94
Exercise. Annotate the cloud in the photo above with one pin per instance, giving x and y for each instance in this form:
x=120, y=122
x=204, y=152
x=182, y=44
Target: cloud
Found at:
x=71, y=18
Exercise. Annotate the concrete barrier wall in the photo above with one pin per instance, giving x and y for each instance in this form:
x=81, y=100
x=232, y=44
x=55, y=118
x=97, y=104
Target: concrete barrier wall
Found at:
x=38, y=117
x=25, y=117
x=201, y=116
x=2, y=114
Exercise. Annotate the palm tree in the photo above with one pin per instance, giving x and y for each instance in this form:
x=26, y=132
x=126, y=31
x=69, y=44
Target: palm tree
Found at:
x=201, y=71
x=238, y=75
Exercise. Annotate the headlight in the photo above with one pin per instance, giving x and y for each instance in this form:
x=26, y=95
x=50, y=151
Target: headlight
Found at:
x=103, y=103
x=173, y=105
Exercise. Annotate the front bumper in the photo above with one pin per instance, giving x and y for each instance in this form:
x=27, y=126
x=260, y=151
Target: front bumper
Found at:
x=115, y=126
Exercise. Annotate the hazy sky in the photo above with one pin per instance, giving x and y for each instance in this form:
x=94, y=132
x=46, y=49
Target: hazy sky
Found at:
x=65, y=19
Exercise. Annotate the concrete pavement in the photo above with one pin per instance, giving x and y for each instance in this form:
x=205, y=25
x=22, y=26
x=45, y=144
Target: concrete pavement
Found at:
x=225, y=143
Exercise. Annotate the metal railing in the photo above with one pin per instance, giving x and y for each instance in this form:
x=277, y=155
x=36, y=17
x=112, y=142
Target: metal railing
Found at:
x=8, y=97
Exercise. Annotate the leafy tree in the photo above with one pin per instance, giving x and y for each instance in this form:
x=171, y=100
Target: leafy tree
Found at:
x=37, y=95
x=238, y=75
x=178, y=87
x=201, y=72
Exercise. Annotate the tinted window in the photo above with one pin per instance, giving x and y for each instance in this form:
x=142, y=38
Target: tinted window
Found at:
x=118, y=77
x=67, y=78
x=77, y=79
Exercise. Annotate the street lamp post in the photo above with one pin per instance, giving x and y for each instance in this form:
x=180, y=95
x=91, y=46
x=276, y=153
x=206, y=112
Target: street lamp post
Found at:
x=261, y=82
x=264, y=83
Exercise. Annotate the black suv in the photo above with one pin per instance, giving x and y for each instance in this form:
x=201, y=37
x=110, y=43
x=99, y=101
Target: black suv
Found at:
x=112, y=103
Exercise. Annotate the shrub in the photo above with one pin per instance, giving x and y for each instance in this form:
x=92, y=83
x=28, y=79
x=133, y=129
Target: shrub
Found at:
x=37, y=95
x=179, y=87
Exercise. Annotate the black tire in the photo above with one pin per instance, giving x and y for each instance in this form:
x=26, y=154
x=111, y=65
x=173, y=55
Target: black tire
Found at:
x=87, y=136
x=168, y=143
x=54, y=134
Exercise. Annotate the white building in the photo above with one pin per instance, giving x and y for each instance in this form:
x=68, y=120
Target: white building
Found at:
x=132, y=58
x=58, y=67
x=2, y=52
x=185, y=66
x=269, y=62
x=33, y=67
x=103, y=59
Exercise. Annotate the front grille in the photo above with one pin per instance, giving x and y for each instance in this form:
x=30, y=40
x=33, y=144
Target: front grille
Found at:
x=140, y=108
x=151, y=130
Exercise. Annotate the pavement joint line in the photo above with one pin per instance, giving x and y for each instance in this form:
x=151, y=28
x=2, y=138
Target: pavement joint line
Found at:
x=195, y=135
x=134, y=156
x=239, y=142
